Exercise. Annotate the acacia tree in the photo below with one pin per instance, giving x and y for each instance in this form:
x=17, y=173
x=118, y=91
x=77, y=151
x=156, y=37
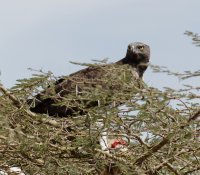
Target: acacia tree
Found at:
x=161, y=129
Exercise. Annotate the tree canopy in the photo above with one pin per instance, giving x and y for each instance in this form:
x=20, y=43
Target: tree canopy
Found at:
x=161, y=128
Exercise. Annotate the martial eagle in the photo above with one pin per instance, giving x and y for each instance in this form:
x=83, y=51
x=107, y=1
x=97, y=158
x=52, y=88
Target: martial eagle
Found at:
x=52, y=100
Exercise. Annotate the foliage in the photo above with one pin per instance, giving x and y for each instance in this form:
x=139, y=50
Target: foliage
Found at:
x=160, y=127
x=195, y=37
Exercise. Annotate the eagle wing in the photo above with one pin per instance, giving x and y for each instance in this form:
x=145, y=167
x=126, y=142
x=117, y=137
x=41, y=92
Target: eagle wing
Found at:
x=99, y=83
x=89, y=86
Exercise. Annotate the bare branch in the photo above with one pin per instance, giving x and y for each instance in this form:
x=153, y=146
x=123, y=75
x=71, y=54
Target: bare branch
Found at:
x=152, y=150
x=14, y=99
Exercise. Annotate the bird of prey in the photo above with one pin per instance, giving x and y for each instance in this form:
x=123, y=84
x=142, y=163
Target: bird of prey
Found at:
x=52, y=101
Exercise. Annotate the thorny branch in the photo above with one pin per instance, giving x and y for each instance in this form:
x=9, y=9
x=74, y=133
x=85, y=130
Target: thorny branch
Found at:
x=159, y=137
x=15, y=101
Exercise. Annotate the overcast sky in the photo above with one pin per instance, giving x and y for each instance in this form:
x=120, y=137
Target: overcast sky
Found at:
x=48, y=34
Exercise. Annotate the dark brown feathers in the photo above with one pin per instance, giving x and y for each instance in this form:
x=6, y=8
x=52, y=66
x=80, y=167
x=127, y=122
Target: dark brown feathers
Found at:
x=54, y=100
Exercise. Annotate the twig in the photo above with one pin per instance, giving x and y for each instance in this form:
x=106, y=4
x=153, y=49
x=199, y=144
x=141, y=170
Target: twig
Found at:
x=192, y=118
x=137, y=137
x=18, y=104
x=191, y=171
x=15, y=101
x=50, y=122
x=111, y=156
x=151, y=151
x=166, y=162
x=170, y=166
x=195, y=116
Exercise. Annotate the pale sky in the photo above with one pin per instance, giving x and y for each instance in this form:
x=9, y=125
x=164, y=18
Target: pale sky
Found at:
x=48, y=34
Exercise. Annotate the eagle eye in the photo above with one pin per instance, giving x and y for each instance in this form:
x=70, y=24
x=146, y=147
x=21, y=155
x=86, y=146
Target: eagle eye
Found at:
x=141, y=48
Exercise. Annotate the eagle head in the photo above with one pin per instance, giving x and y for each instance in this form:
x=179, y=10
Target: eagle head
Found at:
x=138, y=53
